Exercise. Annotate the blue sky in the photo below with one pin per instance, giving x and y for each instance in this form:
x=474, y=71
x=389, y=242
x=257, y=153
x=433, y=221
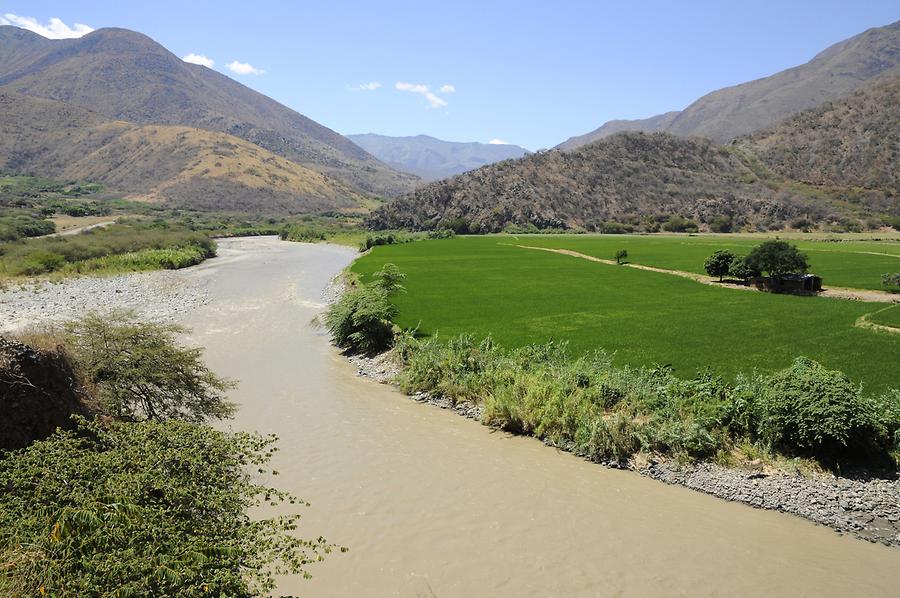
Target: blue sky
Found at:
x=528, y=72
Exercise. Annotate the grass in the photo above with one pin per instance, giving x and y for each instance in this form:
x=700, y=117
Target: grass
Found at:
x=484, y=285
x=855, y=264
x=887, y=317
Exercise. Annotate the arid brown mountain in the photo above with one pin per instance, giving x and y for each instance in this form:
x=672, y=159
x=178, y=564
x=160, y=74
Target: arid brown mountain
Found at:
x=634, y=178
x=182, y=166
x=646, y=125
x=434, y=159
x=123, y=75
x=851, y=142
x=733, y=111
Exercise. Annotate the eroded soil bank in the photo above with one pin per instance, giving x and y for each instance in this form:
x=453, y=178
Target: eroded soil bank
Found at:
x=432, y=504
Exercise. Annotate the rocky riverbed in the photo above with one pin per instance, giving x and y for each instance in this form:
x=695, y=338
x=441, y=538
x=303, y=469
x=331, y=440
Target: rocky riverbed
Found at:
x=159, y=296
x=867, y=508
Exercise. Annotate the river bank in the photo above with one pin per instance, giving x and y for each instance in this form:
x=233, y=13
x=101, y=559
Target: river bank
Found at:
x=432, y=505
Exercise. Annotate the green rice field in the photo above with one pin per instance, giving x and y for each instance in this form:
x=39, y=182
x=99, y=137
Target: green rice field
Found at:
x=855, y=264
x=487, y=285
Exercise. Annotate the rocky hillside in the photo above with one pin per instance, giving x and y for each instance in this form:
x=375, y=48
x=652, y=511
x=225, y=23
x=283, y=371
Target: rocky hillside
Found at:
x=727, y=113
x=628, y=178
x=852, y=142
x=123, y=75
x=434, y=159
x=182, y=166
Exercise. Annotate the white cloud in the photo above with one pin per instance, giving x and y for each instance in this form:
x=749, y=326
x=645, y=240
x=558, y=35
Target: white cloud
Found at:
x=199, y=59
x=54, y=29
x=370, y=86
x=447, y=89
x=498, y=142
x=435, y=100
x=243, y=68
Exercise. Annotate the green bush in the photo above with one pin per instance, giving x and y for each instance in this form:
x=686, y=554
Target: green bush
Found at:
x=677, y=224
x=148, y=509
x=891, y=281
x=810, y=409
x=362, y=320
x=39, y=261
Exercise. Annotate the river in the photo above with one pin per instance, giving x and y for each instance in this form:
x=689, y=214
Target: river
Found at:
x=432, y=504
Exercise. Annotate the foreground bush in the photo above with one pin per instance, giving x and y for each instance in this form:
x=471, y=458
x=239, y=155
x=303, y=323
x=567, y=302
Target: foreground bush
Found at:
x=149, y=509
x=604, y=412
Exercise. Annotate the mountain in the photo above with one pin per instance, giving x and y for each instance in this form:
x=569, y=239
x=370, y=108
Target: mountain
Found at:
x=124, y=75
x=433, y=159
x=733, y=111
x=647, y=125
x=851, y=142
x=178, y=165
x=634, y=178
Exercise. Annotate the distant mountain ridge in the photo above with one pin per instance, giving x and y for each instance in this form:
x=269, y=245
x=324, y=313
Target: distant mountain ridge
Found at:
x=631, y=178
x=741, y=109
x=121, y=74
x=178, y=165
x=431, y=158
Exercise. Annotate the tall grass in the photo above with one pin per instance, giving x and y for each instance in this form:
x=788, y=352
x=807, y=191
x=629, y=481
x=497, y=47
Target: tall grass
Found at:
x=128, y=245
x=606, y=413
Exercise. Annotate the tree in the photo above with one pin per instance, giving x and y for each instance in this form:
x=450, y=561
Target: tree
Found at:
x=719, y=263
x=142, y=373
x=621, y=255
x=777, y=257
x=741, y=270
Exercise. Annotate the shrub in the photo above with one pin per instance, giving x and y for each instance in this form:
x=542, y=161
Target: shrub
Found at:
x=148, y=509
x=719, y=263
x=40, y=261
x=812, y=410
x=362, y=319
x=891, y=281
x=141, y=372
x=621, y=255
x=777, y=257
x=721, y=224
x=677, y=224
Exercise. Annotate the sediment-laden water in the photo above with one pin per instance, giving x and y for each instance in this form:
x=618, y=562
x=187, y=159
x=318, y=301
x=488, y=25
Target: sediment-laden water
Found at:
x=432, y=504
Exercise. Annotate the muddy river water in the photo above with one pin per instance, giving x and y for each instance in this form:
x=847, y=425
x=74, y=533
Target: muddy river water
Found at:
x=432, y=504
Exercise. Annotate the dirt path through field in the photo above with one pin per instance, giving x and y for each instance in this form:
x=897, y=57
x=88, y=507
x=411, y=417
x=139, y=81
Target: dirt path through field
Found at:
x=833, y=292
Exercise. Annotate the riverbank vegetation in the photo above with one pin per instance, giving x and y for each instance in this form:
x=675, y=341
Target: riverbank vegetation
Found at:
x=135, y=496
x=586, y=404
x=125, y=246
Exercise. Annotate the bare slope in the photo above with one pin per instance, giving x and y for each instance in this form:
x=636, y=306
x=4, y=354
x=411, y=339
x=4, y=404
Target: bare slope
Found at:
x=180, y=165
x=125, y=75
